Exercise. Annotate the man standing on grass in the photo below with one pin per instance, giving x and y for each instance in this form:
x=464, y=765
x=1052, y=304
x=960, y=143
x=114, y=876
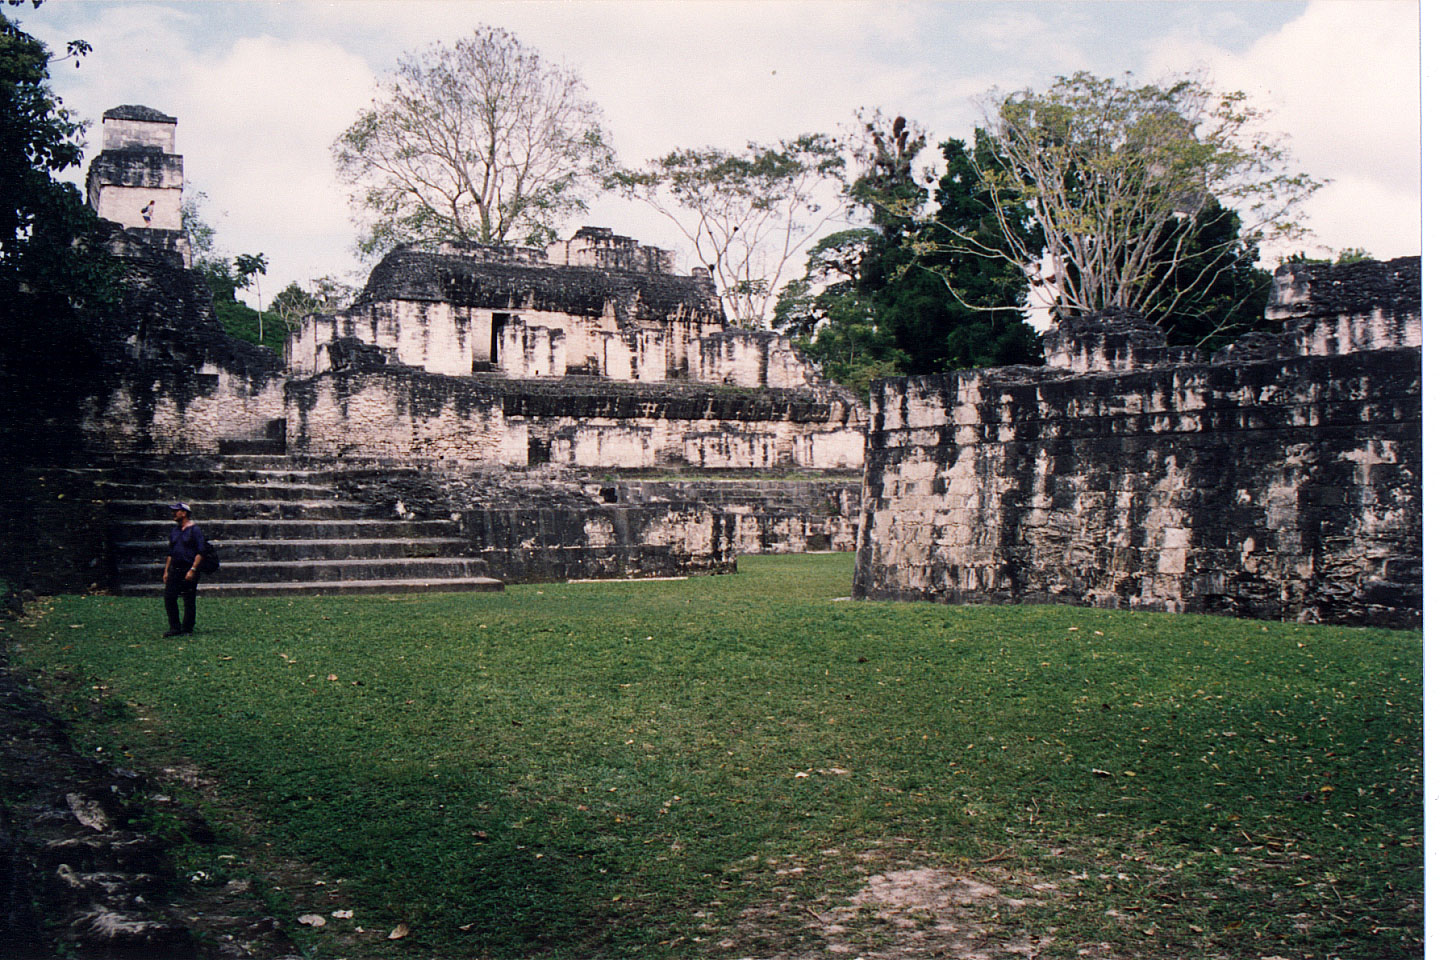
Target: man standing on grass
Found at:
x=182, y=570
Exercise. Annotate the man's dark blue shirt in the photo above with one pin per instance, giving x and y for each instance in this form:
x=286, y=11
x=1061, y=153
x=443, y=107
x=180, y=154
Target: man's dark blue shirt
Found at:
x=185, y=544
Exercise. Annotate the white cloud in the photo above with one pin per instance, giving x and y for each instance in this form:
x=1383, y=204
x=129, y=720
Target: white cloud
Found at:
x=261, y=90
x=1342, y=83
x=276, y=105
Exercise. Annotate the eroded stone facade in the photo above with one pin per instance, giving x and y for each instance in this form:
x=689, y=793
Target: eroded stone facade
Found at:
x=597, y=305
x=1280, y=480
x=524, y=373
x=138, y=179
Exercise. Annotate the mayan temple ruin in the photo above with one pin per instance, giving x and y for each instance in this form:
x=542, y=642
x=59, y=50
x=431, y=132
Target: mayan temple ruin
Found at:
x=480, y=413
x=487, y=413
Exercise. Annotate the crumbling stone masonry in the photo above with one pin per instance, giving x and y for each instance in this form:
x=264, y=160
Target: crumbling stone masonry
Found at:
x=597, y=304
x=533, y=376
x=138, y=178
x=1280, y=480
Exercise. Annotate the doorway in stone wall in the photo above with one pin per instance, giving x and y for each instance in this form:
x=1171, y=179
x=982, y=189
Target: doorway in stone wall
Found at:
x=497, y=325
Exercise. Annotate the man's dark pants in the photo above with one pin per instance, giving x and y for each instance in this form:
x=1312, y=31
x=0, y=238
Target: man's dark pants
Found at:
x=175, y=588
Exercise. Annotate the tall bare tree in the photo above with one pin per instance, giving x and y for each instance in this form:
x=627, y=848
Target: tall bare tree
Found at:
x=1117, y=175
x=748, y=214
x=482, y=141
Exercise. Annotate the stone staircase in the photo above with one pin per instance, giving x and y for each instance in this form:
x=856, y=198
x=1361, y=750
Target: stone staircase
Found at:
x=281, y=529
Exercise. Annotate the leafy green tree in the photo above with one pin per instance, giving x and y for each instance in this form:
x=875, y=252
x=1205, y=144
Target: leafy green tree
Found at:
x=829, y=318
x=322, y=295
x=224, y=276
x=249, y=268
x=55, y=272
x=199, y=233
x=44, y=223
x=293, y=302
x=891, y=298
x=483, y=141
x=747, y=215
x=239, y=319
x=1118, y=177
x=1217, y=298
x=952, y=308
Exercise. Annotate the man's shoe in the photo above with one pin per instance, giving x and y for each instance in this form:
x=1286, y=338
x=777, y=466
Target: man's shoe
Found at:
x=173, y=633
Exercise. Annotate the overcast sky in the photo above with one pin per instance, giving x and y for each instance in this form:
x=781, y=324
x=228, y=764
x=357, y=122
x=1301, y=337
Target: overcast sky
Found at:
x=261, y=90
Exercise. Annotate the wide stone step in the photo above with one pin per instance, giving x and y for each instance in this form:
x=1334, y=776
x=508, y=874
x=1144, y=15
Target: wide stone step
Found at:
x=132, y=552
x=179, y=477
x=224, y=531
x=217, y=489
x=331, y=588
x=206, y=512
x=321, y=571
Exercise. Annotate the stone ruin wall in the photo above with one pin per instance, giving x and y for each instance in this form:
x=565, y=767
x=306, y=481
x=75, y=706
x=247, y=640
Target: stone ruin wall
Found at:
x=1281, y=480
x=406, y=415
x=175, y=383
x=172, y=384
x=528, y=544
x=596, y=305
x=770, y=516
x=542, y=526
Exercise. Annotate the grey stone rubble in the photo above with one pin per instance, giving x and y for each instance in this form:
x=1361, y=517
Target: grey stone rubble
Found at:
x=1279, y=480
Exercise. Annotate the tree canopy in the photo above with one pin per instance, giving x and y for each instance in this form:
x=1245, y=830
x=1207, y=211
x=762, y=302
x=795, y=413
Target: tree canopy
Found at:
x=327, y=294
x=748, y=214
x=40, y=217
x=1127, y=184
x=890, y=299
x=55, y=270
x=49, y=263
x=482, y=141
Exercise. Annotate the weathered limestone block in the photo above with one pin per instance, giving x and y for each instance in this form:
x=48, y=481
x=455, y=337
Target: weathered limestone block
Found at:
x=754, y=358
x=1368, y=305
x=1109, y=341
x=399, y=415
x=1259, y=485
x=407, y=414
x=528, y=542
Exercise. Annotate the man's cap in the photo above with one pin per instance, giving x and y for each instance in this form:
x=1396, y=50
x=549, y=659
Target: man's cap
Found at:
x=180, y=506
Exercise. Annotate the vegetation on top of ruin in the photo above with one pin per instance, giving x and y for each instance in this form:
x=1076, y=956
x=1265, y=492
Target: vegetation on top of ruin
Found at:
x=883, y=300
x=226, y=275
x=1092, y=194
x=747, y=214
x=741, y=765
x=1143, y=194
x=483, y=141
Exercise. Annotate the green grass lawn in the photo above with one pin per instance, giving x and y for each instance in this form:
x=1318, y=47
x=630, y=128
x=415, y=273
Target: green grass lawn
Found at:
x=713, y=767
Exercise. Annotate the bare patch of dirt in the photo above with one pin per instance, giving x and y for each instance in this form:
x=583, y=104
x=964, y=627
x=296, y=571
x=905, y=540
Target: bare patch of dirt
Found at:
x=924, y=912
x=903, y=906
